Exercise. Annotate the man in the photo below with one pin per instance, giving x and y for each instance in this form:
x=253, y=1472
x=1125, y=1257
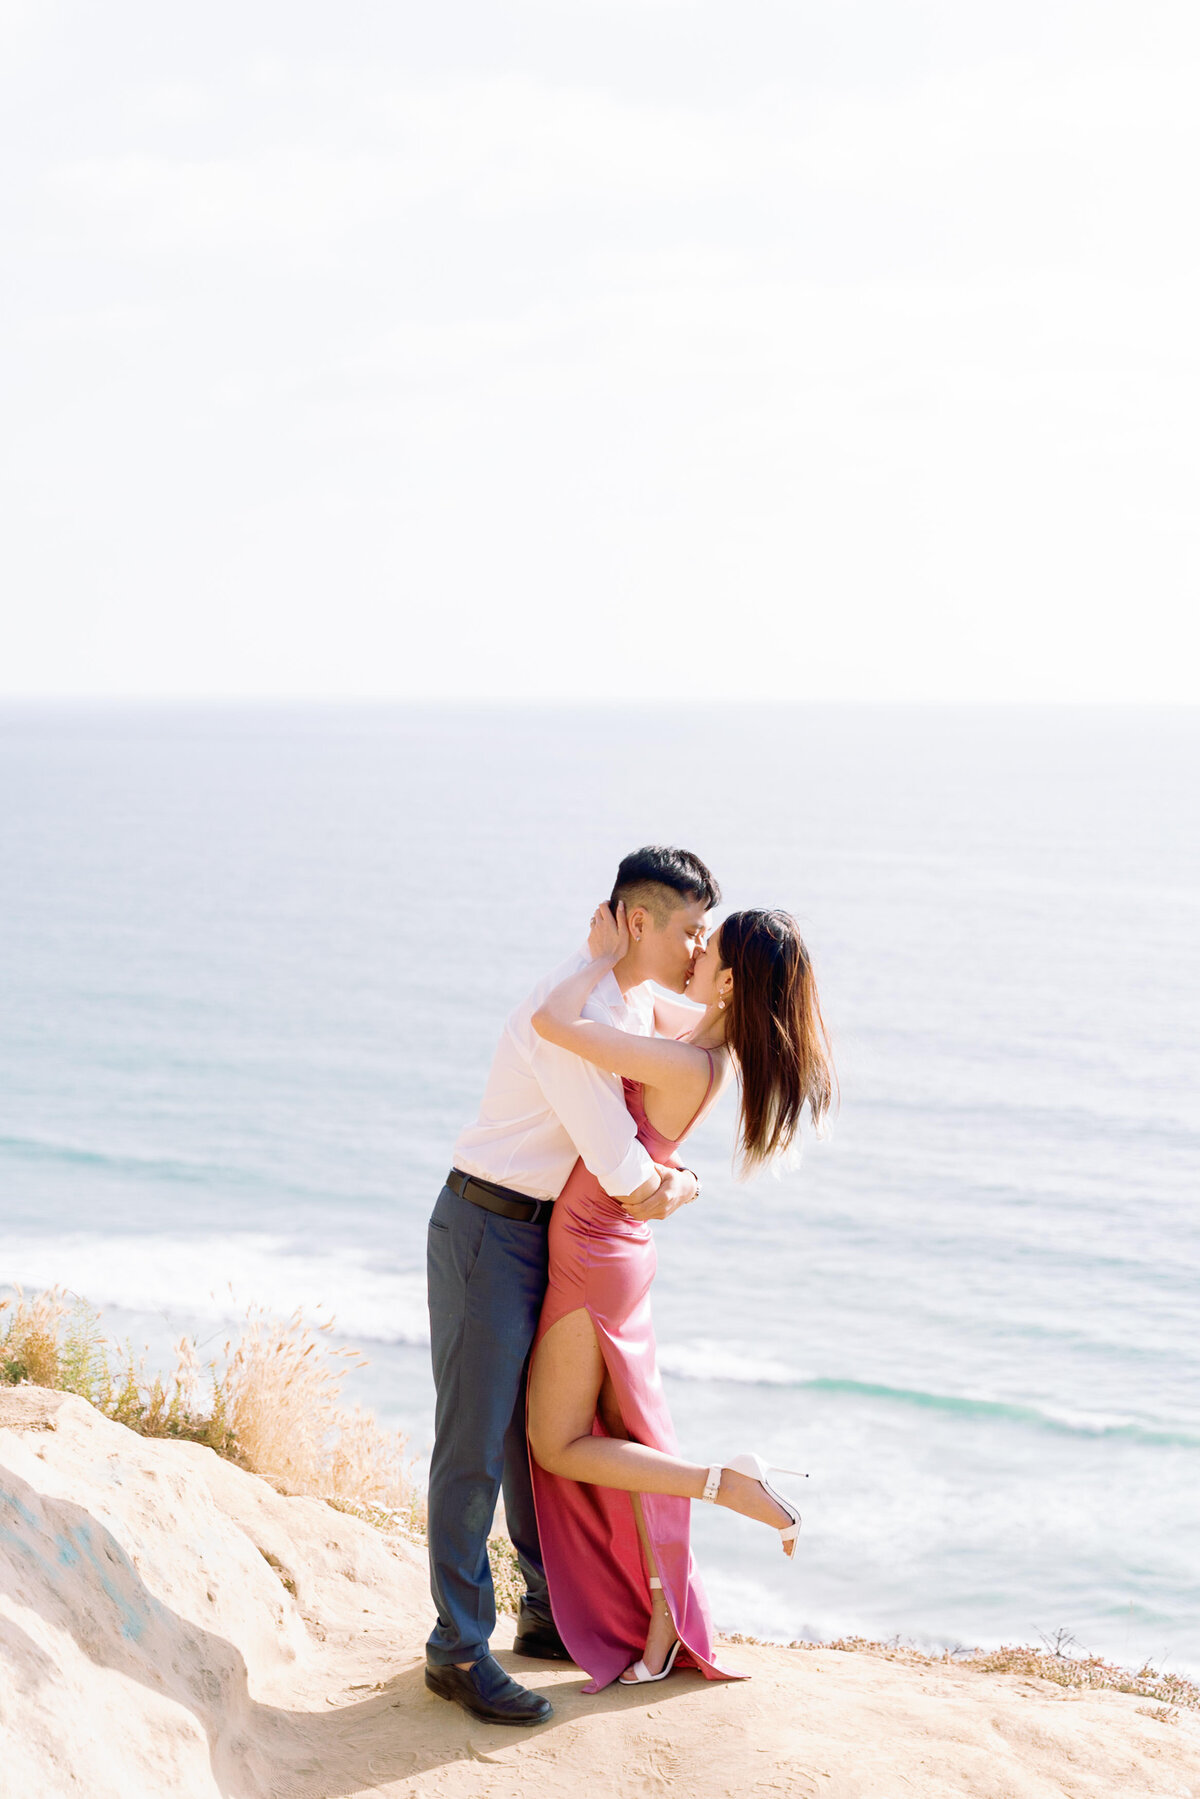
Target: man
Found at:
x=542, y=1108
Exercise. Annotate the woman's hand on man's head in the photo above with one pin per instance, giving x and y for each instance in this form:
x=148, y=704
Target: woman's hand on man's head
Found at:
x=608, y=936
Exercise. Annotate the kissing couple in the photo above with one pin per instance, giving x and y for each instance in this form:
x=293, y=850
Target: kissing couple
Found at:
x=541, y=1260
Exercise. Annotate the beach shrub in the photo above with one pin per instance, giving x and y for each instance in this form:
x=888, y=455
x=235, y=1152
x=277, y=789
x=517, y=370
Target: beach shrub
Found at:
x=54, y=1340
x=270, y=1402
x=30, y=1348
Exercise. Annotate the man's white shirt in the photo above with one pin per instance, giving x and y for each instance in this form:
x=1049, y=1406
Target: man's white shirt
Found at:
x=543, y=1106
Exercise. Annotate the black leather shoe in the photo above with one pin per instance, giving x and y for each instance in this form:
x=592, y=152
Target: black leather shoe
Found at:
x=539, y=1638
x=487, y=1692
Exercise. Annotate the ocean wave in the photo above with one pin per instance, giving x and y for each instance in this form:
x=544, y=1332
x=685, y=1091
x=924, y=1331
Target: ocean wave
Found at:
x=130, y=1164
x=713, y=1362
x=38, y=1149
x=217, y=1277
x=1061, y=1420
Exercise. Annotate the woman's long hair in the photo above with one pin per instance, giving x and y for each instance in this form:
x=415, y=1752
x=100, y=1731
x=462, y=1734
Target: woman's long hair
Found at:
x=775, y=1031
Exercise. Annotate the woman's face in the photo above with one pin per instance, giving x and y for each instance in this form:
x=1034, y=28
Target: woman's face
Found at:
x=707, y=970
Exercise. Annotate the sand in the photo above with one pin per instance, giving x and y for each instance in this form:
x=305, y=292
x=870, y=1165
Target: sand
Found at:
x=173, y=1628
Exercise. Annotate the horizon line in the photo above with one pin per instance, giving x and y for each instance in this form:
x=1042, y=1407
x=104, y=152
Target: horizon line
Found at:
x=552, y=702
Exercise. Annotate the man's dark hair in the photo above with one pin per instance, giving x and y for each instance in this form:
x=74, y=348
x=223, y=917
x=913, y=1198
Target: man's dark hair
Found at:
x=662, y=880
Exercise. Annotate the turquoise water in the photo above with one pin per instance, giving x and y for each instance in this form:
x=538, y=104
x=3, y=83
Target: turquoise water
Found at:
x=254, y=962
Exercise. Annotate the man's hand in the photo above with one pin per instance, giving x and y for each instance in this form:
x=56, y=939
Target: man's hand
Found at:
x=677, y=1187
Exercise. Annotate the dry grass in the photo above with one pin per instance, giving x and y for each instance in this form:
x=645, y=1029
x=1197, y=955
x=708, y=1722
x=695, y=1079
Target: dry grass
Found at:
x=279, y=1389
x=55, y=1341
x=1170, y=1690
x=271, y=1402
x=507, y=1578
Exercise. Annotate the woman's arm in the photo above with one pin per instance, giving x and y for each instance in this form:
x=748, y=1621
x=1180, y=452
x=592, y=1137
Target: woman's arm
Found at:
x=652, y=1060
x=608, y=941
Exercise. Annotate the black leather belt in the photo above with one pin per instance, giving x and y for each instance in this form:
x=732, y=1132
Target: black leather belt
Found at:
x=501, y=1200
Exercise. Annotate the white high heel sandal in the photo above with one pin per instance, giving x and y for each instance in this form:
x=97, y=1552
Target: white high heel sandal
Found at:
x=757, y=1469
x=640, y=1673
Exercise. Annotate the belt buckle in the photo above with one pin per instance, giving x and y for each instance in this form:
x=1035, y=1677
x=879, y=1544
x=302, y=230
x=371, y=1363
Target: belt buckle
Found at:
x=537, y=1210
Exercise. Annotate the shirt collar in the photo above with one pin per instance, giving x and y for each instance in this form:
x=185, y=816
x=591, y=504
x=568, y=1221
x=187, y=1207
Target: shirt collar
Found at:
x=609, y=993
x=639, y=1000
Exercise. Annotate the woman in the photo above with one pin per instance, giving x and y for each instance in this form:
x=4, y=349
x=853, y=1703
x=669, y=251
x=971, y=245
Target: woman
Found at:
x=620, y=1568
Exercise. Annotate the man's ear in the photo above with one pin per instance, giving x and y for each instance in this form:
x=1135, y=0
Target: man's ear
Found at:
x=637, y=920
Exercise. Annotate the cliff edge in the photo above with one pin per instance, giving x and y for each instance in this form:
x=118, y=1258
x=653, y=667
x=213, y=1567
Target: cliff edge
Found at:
x=173, y=1628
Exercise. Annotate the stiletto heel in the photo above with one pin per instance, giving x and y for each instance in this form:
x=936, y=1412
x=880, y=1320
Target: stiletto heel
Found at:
x=640, y=1674
x=755, y=1468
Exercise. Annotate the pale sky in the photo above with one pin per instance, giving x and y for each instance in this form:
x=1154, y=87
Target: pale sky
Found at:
x=598, y=348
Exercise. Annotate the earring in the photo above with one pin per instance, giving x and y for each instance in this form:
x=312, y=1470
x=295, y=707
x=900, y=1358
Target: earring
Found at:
x=720, y=1005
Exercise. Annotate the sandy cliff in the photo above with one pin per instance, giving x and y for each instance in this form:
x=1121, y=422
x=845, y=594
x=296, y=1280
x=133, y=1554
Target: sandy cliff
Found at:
x=172, y=1628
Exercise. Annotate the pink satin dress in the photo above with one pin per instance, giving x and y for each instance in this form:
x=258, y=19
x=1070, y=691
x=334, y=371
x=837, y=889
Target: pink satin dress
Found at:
x=603, y=1261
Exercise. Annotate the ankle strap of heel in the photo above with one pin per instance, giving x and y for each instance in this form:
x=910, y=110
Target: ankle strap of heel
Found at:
x=712, y=1485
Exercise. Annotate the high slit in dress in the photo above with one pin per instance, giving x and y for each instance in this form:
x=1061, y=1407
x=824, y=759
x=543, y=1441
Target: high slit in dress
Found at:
x=602, y=1261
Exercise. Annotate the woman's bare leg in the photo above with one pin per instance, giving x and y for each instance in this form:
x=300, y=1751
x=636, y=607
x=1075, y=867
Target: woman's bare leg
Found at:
x=565, y=1382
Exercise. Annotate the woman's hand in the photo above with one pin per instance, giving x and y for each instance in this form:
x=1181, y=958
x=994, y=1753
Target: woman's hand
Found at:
x=608, y=938
x=559, y=1018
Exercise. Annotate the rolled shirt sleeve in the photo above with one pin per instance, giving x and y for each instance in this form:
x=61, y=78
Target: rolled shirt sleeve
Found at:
x=591, y=1107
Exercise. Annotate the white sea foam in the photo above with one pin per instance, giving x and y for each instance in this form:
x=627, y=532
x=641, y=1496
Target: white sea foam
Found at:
x=1101, y=1424
x=706, y=1359
x=217, y=1277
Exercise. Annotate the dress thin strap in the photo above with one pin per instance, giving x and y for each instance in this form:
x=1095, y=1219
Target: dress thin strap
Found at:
x=712, y=1069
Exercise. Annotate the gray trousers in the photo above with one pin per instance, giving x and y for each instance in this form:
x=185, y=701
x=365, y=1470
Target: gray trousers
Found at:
x=487, y=1277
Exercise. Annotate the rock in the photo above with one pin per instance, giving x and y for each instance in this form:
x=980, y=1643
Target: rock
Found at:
x=171, y=1622
x=29, y=1408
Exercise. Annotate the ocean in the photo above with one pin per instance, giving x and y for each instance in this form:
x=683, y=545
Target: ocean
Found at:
x=254, y=961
